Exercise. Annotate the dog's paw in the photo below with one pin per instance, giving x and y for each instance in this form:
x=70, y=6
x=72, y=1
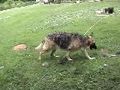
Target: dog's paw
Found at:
x=56, y=56
x=92, y=58
x=70, y=59
x=39, y=58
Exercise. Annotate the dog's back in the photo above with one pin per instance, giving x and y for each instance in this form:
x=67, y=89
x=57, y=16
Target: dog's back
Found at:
x=63, y=39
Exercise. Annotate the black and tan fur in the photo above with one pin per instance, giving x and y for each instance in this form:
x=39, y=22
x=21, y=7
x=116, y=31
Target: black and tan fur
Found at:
x=66, y=41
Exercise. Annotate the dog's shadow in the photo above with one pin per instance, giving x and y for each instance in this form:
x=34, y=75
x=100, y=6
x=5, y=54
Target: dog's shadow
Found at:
x=63, y=60
x=76, y=57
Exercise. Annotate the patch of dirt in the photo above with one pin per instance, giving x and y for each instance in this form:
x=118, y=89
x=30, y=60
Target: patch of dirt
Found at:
x=20, y=47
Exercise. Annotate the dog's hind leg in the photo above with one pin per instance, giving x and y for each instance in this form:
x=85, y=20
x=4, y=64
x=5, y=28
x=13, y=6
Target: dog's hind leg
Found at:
x=87, y=55
x=39, y=48
x=68, y=56
x=47, y=46
x=40, y=56
x=53, y=53
x=41, y=52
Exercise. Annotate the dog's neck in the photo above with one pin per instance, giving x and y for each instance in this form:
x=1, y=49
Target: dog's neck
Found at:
x=85, y=42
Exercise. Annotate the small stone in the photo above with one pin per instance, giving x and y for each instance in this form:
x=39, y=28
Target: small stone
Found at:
x=105, y=65
x=45, y=64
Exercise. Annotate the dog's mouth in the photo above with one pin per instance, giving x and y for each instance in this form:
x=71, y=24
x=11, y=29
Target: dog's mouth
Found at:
x=93, y=46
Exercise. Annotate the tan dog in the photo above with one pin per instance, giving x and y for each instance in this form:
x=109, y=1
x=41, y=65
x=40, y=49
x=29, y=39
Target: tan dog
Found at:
x=66, y=41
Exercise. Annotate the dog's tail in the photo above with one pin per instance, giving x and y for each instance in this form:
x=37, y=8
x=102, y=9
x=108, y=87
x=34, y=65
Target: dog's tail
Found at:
x=39, y=47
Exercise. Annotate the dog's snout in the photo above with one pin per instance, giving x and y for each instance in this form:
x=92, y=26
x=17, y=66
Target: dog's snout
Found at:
x=93, y=46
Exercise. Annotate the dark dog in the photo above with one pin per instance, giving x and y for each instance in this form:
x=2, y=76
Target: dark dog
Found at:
x=109, y=10
x=66, y=41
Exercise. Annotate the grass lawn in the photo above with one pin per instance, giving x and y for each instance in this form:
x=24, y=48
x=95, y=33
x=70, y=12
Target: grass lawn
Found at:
x=29, y=25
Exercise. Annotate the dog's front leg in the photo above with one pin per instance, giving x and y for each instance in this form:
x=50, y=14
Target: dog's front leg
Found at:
x=87, y=55
x=68, y=56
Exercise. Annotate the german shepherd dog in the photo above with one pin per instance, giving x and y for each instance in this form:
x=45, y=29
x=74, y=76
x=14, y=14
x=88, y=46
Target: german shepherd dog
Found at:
x=66, y=41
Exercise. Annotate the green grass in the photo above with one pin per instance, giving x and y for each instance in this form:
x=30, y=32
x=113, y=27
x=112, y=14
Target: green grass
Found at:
x=30, y=24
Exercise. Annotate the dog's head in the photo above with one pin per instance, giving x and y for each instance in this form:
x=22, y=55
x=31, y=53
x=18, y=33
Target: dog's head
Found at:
x=93, y=46
x=91, y=42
